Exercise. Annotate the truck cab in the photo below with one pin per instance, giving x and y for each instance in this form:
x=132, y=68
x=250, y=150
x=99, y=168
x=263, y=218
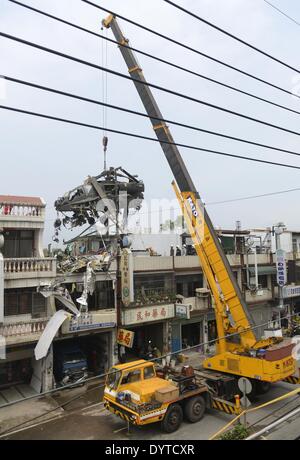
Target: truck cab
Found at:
x=135, y=393
x=70, y=364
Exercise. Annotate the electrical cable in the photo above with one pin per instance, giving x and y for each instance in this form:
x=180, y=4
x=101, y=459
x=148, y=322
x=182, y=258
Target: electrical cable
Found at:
x=176, y=42
x=141, y=114
x=234, y=37
x=253, y=196
x=151, y=85
x=184, y=69
x=106, y=374
x=139, y=136
x=154, y=360
x=282, y=12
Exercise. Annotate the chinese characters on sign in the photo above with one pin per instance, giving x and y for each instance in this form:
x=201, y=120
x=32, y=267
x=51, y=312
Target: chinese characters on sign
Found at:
x=291, y=291
x=127, y=277
x=125, y=338
x=281, y=267
x=146, y=314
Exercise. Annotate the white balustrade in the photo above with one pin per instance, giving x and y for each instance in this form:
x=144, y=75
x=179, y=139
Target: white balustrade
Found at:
x=19, y=210
x=27, y=265
x=23, y=328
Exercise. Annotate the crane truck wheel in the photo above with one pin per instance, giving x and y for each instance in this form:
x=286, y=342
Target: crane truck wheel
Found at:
x=262, y=387
x=172, y=419
x=194, y=409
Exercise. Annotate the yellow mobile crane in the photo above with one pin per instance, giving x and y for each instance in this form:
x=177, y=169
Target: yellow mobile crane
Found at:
x=239, y=352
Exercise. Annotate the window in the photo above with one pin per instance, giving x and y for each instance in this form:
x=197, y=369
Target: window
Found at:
x=149, y=282
x=113, y=378
x=104, y=296
x=263, y=281
x=149, y=372
x=131, y=377
x=18, y=243
x=24, y=302
x=39, y=307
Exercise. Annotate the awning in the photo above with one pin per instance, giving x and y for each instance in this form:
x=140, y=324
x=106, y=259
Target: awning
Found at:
x=263, y=270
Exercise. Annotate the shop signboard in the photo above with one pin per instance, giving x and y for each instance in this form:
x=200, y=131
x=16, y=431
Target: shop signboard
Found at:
x=182, y=311
x=281, y=267
x=291, y=291
x=127, y=277
x=147, y=314
x=88, y=321
x=125, y=338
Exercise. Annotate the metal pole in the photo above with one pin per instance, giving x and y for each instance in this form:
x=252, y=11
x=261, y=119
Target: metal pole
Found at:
x=246, y=403
x=280, y=288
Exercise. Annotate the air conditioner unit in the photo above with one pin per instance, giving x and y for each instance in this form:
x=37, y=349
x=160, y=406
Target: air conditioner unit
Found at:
x=202, y=292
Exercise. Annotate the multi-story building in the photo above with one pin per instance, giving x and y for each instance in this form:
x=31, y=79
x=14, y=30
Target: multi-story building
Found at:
x=171, y=305
x=25, y=311
x=159, y=280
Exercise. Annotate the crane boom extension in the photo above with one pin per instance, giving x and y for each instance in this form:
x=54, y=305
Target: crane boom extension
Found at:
x=215, y=254
x=232, y=313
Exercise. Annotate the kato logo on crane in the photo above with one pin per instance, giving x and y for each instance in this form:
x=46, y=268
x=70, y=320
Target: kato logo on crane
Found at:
x=192, y=206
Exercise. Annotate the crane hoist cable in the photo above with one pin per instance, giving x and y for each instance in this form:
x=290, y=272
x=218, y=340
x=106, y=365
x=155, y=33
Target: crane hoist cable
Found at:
x=104, y=61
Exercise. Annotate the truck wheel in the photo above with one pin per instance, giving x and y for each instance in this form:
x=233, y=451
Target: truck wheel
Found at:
x=262, y=387
x=172, y=419
x=194, y=409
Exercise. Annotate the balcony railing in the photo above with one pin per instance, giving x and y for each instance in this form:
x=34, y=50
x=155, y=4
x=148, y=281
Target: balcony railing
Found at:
x=147, y=296
x=19, y=210
x=23, y=328
x=29, y=265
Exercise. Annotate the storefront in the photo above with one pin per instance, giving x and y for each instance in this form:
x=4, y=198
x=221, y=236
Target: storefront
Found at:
x=93, y=334
x=187, y=329
x=17, y=367
x=150, y=327
x=90, y=351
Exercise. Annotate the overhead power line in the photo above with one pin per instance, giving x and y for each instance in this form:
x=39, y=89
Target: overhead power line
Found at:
x=199, y=53
x=171, y=64
x=251, y=197
x=151, y=85
x=139, y=136
x=234, y=37
x=282, y=12
x=144, y=115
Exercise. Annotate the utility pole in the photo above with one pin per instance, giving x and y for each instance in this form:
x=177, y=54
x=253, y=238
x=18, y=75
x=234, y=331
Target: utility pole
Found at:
x=277, y=230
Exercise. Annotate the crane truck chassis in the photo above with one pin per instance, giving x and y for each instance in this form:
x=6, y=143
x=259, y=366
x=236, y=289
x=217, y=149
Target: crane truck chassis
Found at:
x=140, y=394
x=262, y=360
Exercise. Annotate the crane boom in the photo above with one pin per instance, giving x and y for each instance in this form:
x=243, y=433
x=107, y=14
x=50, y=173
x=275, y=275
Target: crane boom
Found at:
x=215, y=254
x=232, y=313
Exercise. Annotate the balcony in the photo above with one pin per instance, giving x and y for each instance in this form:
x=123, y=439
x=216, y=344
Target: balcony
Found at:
x=262, y=295
x=158, y=296
x=28, y=271
x=20, y=212
x=23, y=331
x=28, y=267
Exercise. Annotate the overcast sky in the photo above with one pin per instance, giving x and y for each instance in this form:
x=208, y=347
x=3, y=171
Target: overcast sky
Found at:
x=47, y=158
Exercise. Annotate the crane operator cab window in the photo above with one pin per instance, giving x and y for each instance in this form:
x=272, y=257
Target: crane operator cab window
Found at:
x=149, y=372
x=131, y=377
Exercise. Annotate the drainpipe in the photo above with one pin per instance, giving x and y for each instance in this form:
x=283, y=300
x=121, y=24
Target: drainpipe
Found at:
x=255, y=265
